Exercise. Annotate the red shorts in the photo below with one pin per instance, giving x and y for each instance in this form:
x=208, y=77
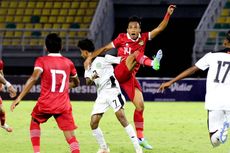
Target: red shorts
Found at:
x=64, y=120
x=127, y=80
x=0, y=100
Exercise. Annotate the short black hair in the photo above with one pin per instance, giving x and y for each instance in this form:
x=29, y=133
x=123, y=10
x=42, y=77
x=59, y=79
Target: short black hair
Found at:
x=53, y=43
x=134, y=19
x=86, y=44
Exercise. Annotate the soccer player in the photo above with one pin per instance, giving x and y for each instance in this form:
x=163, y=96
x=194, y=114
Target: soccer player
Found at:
x=217, y=92
x=109, y=94
x=58, y=74
x=12, y=93
x=134, y=42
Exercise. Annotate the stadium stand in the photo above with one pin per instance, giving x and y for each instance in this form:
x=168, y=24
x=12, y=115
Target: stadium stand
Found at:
x=212, y=28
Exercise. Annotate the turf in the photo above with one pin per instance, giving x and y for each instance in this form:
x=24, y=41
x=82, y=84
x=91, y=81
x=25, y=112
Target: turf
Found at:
x=171, y=127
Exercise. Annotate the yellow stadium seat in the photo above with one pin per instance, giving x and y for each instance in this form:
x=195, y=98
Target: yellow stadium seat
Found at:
x=65, y=26
x=26, y=19
x=9, y=34
x=6, y=42
x=72, y=11
x=13, y=4
x=28, y=12
x=20, y=25
x=69, y=19
x=31, y=4
x=213, y=34
x=84, y=5
x=62, y=34
x=34, y=42
x=22, y=4
x=29, y=26
x=54, y=12
x=78, y=19
x=87, y=19
x=64, y=12
x=92, y=5
x=38, y=26
x=45, y=11
x=27, y=33
x=49, y=5
x=45, y=33
x=81, y=34
x=2, y=19
x=81, y=12
x=18, y=34
x=221, y=20
x=57, y=5
x=72, y=34
x=40, y=5
x=56, y=26
x=20, y=12
x=75, y=5
x=11, y=11
x=84, y=25
x=66, y=5
x=225, y=12
x=18, y=19
x=90, y=12
x=3, y=11
x=9, y=19
x=52, y=19
x=44, y=19
x=37, y=11
x=16, y=42
x=228, y=20
x=47, y=26
x=61, y=19
x=5, y=4
x=2, y=25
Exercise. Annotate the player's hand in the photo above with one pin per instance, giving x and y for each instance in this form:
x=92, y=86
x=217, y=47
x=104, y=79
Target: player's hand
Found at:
x=14, y=104
x=163, y=86
x=171, y=8
x=12, y=91
x=87, y=62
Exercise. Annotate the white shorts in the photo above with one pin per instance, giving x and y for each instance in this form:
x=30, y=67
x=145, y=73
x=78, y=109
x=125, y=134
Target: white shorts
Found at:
x=108, y=98
x=216, y=118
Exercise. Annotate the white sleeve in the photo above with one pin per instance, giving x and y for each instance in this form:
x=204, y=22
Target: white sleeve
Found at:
x=88, y=74
x=112, y=59
x=203, y=63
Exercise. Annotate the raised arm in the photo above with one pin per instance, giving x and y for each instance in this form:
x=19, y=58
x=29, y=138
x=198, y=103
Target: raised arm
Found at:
x=164, y=23
x=96, y=53
x=29, y=84
x=182, y=75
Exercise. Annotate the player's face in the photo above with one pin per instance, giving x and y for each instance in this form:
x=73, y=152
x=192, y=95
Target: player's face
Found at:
x=134, y=30
x=84, y=54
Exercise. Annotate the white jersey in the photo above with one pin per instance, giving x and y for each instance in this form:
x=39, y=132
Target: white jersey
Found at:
x=218, y=80
x=102, y=69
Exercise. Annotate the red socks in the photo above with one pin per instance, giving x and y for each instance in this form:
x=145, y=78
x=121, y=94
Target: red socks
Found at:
x=139, y=123
x=35, y=136
x=73, y=144
x=142, y=59
x=2, y=118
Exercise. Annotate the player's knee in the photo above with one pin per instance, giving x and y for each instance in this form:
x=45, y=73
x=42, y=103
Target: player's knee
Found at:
x=140, y=106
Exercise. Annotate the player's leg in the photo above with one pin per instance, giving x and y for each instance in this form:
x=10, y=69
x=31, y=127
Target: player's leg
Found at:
x=216, y=121
x=3, y=118
x=130, y=62
x=35, y=134
x=66, y=123
x=144, y=60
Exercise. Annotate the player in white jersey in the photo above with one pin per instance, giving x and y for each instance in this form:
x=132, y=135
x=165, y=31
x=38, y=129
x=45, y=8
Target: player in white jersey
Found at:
x=217, y=90
x=109, y=94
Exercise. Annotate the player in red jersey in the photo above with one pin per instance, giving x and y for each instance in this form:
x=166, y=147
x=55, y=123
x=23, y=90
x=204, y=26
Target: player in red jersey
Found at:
x=12, y=92
x=58, y=74
x=131, y=47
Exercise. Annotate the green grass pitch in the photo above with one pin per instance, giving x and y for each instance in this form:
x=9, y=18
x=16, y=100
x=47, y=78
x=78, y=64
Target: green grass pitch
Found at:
x=171, y=127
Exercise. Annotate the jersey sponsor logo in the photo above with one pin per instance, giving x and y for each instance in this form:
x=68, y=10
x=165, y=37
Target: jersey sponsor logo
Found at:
x=141, y=42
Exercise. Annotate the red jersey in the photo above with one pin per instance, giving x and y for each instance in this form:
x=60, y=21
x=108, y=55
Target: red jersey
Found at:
x=1, y=65
x=56, y=71
x=126, y=46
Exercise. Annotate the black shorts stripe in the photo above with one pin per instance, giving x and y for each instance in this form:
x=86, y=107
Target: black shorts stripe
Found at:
x=121, y=100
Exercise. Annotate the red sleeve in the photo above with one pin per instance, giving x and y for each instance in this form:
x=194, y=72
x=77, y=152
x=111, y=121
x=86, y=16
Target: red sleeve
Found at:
x=39, y=63
x=1, y=65
x=117, y=41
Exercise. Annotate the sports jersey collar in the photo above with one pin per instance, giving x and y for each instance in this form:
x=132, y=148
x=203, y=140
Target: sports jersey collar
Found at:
x=54, y=54
x=128, y=36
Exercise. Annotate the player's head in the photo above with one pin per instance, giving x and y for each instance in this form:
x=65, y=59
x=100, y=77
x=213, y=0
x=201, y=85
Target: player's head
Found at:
x=53, y=43
x=86, y=47
x=134, y=27
x=226, y=42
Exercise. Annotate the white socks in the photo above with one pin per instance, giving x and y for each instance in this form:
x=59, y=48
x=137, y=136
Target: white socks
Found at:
x=97, y=133
x=132, y=135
